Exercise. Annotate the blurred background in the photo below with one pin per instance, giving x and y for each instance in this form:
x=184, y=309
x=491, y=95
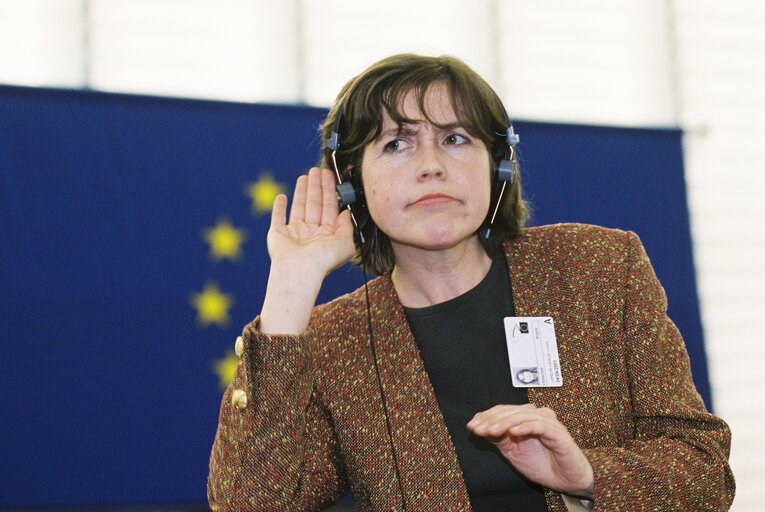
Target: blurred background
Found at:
x=691, y=68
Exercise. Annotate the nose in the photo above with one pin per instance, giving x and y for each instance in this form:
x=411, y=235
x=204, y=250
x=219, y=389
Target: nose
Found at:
x=430, y=165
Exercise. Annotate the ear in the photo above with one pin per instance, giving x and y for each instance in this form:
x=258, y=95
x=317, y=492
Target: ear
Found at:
x=353, y=175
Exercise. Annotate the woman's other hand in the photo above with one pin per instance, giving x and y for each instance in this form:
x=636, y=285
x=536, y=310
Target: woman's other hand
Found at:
x=538, y=445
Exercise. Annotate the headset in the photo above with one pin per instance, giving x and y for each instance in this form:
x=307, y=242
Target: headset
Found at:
x=350, y=192
x=350, y=195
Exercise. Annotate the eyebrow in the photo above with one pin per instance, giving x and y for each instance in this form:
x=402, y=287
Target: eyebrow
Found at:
x=408, y=129
x=402, y=129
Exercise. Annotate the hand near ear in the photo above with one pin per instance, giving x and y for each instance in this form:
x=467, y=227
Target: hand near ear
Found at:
x=317, y=240
x=316, y=230
x=538, y=445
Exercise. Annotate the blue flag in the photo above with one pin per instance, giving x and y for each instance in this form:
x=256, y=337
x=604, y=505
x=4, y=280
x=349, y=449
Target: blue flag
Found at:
x=132, y=238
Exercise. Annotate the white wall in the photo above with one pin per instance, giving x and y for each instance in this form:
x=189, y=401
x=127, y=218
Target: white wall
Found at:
x=721, y=75
x=697, y=64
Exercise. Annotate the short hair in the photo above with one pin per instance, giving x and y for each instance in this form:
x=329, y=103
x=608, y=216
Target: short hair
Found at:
x=385, y=85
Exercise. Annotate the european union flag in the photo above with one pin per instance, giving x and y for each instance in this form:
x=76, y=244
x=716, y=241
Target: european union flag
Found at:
x=132, y=234
x=132, y=238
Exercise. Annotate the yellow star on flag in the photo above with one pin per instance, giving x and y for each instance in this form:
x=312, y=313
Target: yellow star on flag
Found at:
x=225, y=240
x=225, y=368
x=263, y=192
x=212, y=306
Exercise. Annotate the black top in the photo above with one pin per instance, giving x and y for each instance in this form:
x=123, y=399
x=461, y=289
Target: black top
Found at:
x=462, y=343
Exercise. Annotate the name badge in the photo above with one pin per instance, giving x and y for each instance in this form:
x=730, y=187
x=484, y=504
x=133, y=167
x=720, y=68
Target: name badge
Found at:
x=533, y=351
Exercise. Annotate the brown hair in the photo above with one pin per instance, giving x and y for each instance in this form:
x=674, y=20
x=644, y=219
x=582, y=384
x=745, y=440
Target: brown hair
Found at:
x=384, y=85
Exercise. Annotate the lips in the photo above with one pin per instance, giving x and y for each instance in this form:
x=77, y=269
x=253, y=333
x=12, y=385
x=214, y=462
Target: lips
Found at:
x=432, y=200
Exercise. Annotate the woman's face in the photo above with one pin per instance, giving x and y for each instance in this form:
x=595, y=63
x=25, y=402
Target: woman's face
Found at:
x=427, y=187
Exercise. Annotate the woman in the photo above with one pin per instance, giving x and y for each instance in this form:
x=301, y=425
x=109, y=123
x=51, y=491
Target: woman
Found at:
x=404, y=396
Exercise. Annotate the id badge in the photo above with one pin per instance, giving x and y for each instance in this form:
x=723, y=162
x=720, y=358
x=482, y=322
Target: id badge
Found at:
x=533, y=351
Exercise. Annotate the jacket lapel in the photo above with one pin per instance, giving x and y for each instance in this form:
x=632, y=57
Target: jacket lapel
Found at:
x=538, y=290
x=427, y=461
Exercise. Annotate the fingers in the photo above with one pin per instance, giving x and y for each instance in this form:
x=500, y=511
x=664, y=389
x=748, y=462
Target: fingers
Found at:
x=329, y=198
x=315, y=199
x=516, y=420
x=279, y=211
x=538, y=445
x=297, y=211
x=313, y=202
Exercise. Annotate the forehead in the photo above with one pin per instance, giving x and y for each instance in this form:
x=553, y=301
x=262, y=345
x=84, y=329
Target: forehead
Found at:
x=433, y=106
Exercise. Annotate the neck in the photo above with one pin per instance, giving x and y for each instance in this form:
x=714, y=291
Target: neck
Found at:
x=424, y=278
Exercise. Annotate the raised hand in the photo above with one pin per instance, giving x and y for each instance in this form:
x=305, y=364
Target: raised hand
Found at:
x=538, y=445
x=316, y=232
x=316, y=241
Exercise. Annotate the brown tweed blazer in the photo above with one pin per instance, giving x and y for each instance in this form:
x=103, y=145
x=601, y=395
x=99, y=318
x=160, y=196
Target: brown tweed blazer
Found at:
x=313, y=425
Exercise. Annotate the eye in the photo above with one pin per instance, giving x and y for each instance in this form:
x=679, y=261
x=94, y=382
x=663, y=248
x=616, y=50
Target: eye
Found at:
x=395, y=145
x=455, y=139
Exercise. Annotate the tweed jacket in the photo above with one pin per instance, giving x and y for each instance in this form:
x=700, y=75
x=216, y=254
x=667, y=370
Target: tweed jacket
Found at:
x=306, y=423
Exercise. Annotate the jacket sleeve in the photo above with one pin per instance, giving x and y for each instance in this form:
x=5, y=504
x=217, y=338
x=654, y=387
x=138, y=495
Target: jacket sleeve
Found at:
x=677, y=458
x=275, y=448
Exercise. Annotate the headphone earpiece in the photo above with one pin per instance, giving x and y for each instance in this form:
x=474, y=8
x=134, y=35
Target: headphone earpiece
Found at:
x=347, y=192
x=506, y=167
x=350, y=192
x=506, y=171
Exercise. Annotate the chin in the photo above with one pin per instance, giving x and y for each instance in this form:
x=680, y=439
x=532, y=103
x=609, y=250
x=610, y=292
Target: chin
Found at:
x=437, y=241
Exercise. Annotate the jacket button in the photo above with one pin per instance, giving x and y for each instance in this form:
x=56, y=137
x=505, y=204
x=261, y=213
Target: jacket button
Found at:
x=239, y=399
x=239, y=346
